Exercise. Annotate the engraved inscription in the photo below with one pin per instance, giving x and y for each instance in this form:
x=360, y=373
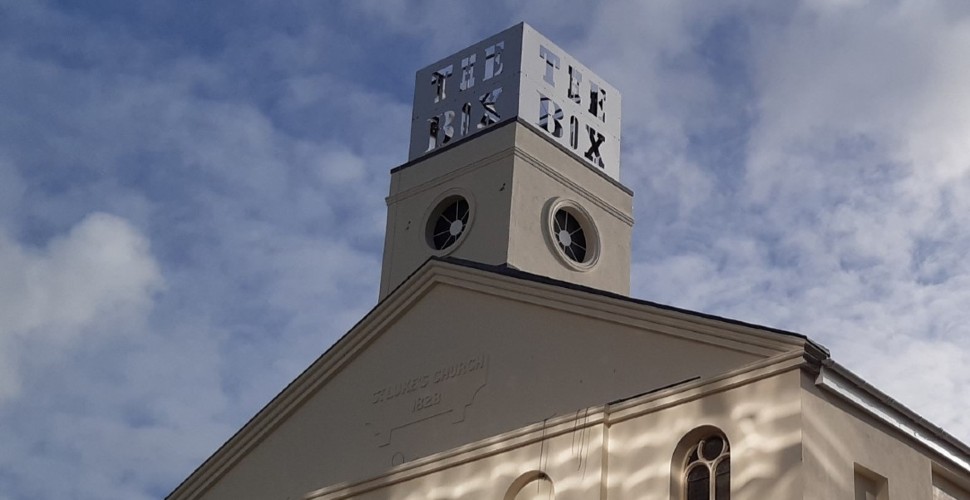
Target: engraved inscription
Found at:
x=426, y=402
x=449, y=372
x=447, y=389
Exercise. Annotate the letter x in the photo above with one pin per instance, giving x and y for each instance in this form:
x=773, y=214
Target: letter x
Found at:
x=593, y=153
x=488, y=103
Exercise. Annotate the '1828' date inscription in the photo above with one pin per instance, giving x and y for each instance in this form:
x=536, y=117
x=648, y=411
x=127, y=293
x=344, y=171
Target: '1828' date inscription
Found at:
x=427, y=383
x=443, y=391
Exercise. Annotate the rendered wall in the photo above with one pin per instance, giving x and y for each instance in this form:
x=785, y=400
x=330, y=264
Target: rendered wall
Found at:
x=573, y=463
x=761, y=420
x=509, y=175
x=945, y=489
x=541, y=362
x=838, y=439
x=608, y=205
x=479, y=170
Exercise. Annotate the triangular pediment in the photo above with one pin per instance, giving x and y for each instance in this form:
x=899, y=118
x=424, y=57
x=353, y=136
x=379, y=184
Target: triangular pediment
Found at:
x=461, y=352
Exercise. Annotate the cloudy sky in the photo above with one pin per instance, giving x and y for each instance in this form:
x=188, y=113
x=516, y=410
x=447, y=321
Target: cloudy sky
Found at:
x=192, y=197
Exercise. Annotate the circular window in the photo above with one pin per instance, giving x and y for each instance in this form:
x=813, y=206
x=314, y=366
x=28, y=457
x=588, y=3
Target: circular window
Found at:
x=448, y=222
x=571, y=231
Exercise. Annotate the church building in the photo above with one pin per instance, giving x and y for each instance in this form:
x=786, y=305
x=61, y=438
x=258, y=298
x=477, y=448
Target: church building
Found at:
x=505, y=359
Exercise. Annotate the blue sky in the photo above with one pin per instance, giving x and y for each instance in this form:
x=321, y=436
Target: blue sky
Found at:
x=191, y=197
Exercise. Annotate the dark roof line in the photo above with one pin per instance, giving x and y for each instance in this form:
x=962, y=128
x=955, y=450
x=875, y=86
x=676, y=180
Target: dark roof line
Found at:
x=507, y=270
x=887, y=400
x=502, y=124
x=502, y=269
x=652, y=391
x=442, y=149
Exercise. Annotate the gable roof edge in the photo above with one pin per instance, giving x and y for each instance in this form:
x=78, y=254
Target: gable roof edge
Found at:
x=661, y=310
x=838, y=380
x=291, y=397
x=374, y=322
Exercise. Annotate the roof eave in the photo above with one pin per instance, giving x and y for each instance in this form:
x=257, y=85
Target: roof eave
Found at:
x=840, y=381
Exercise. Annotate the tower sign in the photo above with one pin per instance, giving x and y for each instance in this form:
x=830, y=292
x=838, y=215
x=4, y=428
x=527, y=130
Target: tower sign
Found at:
x=517, y=74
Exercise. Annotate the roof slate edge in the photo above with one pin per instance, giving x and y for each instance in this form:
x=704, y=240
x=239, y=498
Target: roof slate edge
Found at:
x=217, y=457
x=886, y=400
x=506, y=270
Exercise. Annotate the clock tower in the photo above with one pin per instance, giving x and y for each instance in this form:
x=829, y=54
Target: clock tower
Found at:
x=514, y=161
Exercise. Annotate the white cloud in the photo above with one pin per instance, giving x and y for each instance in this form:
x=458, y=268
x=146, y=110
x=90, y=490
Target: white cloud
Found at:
x=52, y=296
x=893, y=74
x=441, y=24
x=796, y=164
x=845, y=214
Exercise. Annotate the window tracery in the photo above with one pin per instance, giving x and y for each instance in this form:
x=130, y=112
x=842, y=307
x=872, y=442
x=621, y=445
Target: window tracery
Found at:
x=707, y=469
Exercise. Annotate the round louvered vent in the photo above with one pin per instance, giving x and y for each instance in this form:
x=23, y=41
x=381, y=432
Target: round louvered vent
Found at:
x=569, y=235
x=448, y=222
x=572, y=233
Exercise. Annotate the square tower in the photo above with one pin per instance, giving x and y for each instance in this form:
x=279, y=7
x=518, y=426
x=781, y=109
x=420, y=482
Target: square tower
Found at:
x=514, y=160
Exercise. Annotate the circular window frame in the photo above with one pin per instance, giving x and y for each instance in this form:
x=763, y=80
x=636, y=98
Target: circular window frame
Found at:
x=440, y=202
x=590, y=231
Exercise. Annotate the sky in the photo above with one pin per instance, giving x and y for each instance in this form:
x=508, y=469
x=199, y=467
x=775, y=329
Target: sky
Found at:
x=192, y=197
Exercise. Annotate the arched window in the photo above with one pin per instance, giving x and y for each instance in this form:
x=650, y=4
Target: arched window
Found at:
x=534, y=485
x=707, y=469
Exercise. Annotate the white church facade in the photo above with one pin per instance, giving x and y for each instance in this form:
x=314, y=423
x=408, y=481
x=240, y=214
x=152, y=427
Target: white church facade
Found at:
x=505, y=359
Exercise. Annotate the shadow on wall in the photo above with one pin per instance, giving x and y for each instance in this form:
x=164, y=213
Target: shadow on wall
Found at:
x=648, y=448
x=849, y=455
x=760, y=421
x=559, y=460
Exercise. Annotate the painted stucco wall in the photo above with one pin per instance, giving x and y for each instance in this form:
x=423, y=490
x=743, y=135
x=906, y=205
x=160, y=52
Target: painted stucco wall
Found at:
x=480, y=171
x=509, y=175
x=543, y=358
x=838, y=438
x=547, y=175
x=761, y=420
x=573, y=463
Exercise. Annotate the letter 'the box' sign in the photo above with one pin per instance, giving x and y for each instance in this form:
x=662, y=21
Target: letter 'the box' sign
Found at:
x=517, y=73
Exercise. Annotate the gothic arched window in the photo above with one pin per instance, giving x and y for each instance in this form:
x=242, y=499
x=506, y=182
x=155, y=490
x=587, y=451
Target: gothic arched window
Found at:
x=707, y=470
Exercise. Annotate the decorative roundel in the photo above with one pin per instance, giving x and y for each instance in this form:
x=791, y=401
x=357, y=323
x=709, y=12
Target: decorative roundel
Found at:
x=572, y=232
x=448, y=222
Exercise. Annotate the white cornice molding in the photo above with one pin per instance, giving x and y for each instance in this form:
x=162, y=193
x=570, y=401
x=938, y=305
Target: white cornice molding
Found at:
x=701, y=388
x=520, y=153
x=841, y=382
x=681, y=324
x=450, y=176
x=305, y=385
x=607, y=414
x=606, y=308
x=582, y=191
